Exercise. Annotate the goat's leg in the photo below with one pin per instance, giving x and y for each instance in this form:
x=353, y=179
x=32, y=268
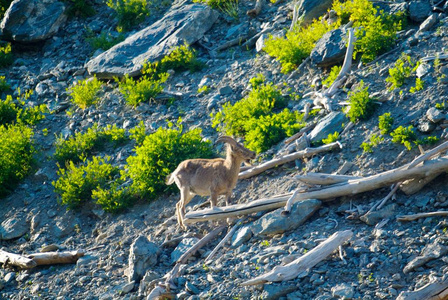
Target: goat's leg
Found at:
x=228, y=197
x=185, y=198
x=213, y=199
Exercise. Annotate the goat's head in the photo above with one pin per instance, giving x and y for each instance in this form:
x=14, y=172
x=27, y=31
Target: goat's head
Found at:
x=237, y=149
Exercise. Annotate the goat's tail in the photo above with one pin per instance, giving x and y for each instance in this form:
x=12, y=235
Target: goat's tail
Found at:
x=169, y=179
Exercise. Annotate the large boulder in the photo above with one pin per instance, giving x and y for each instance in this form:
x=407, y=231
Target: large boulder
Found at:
x=30, y=21
x=313, y=9
x=13, y=228
x=330, y=48
x=143, y=255
x=182, y=24
x=329, y=124
x=419, y=10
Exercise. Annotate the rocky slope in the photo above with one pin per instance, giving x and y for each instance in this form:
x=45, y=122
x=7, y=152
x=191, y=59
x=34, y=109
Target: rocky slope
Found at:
x=116, y=245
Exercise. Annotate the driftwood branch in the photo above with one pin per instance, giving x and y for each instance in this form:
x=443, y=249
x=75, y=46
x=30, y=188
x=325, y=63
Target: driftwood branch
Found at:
x=16, y=260
x=422, y=215
x=223, y=241
x=305, y=262
x=431, y=291
x=287, y=158
x=324, y=179
x=51, y=258
x=256, y=10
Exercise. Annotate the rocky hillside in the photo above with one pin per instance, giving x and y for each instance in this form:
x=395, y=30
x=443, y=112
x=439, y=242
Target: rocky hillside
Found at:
x=127, y=254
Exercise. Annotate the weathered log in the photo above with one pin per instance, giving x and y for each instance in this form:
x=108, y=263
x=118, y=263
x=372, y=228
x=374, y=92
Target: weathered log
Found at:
x=16, y=260
x=439, y=56
x=324, y=179
x=305, y=262
x=431, y=291
x=287, y=158
x=412, y=186
x=422, y=215
x=256, y=10
x=51, y=258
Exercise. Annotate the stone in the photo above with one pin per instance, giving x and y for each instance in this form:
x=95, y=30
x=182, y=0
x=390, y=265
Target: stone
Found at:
x=435, y=115
x=30, y=21
x=313, y=9
x=225, y=90
x=183, y=247
x=260, y=43
x=343, y=291
x=373, y=217
x=182, y=24
x=423, y=69
x=273, y=291
x=13, y=228
x=274, y=223
x=143, y=255
x=430, y=252
x=330, y=48
x=191, y=288
x=419, y=10
x=428, y=23
x=329, y=124
x=213, y=101
x=241, y=236
x=425, y=126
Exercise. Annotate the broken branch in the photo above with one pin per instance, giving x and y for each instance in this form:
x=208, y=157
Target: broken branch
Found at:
x=422, y=215
x=16, y=260
x=50, y=258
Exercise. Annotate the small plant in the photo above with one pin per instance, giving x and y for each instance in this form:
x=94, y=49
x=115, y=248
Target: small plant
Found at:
x=403, y=69
x=230, y=8
x=76, y=183
x=181, y=58
x=140, y=90
x=331, y=138
x=361, y=105
x=385, y=122
x=442, y=105
x=85, y=92
x=114, y=197
x=6, y=57
x=138, y=133
x=204, y=90
x=130, y=12
x=159, y=155
x=418, y=86
x=430, y=140
x=375, y=140
x=4, y=85
x=332, y=76
x=265, y=243
x=256, y=81
x=76, y=148
x=105, y=40
x=15, y=110
x=16, y=155
x=405, y=136
x=80, y=8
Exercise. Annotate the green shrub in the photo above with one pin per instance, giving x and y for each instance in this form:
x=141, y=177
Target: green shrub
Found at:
x=77, y=148
x=331, y=138
x=332, y=76
x=229, y=7
x=80, y=8
x=16, y=155
x=375, y=140
x=104, y=41
x=403, y=69
x=4, y=85
x=136, y=91
x=430, y=140
x=15, y=111
x=130, y=12
x=113, y=198
x=361, y=105
x=85, y=92
x=418, y=86
x=159, y=155
x=138, y=133
x=76, y=183
x=255, y=118
x=204, y=90
x=256, y=81
x=6, y=57
x=385, y=122
x=405, y=136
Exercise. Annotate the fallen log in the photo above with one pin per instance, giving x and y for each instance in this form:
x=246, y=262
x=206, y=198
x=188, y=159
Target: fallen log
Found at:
x=324, y=179
x=16, y=260
x=256, y=10
x=308, y=152
x=305, y=262
x=414, y=217
x=431, y=291
x=51, y=258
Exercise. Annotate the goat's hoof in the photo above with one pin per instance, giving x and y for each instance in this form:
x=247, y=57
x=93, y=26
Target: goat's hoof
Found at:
x=285, y=213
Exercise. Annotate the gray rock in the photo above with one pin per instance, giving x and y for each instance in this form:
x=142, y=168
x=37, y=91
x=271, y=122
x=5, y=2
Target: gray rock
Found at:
x=272, y=292
x=419, y=10
x=13, y=228
x=435, y=115
x=182, y=24
x=274, y=223
x=425, y=126
x=329, y=124
x=372, y=218
x=128, y=287
x=183, y=247
x=423, y=69
x=241, y=236
x=9, y=277
x=29, y=21
x=259, y=45
x=343, y=291
x=143, y=254
x=430, y=252
x=191, y=288
x=428, y=23
x=225, y=90
x=313, y=9
x=330, y=48
x=213, y=101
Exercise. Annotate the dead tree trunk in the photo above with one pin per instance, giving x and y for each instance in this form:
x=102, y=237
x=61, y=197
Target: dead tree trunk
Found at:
x=51, y=258
x=16, y=260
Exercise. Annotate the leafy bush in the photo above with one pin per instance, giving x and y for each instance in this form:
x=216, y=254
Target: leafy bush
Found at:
x=76, y=183
x=159, y=155
x=105, y=40
x=204, y=90
x=113, y=198
x=403, y=69
x=16, y=155
x=256, y=81
x=255, y=118
x=4, y=85
x=136, y=91
x=77, y=148
x=405, y=136
x=228, y=7
x=332, y=76
x=375, y=140
x=361, y=105
x=85, y=92
x=385, y=122
x=331, y=138
x=15, y=111
x=138, y=133
x=130, y=12
x=418, y=86
x=6, y=57
x=80, y=8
